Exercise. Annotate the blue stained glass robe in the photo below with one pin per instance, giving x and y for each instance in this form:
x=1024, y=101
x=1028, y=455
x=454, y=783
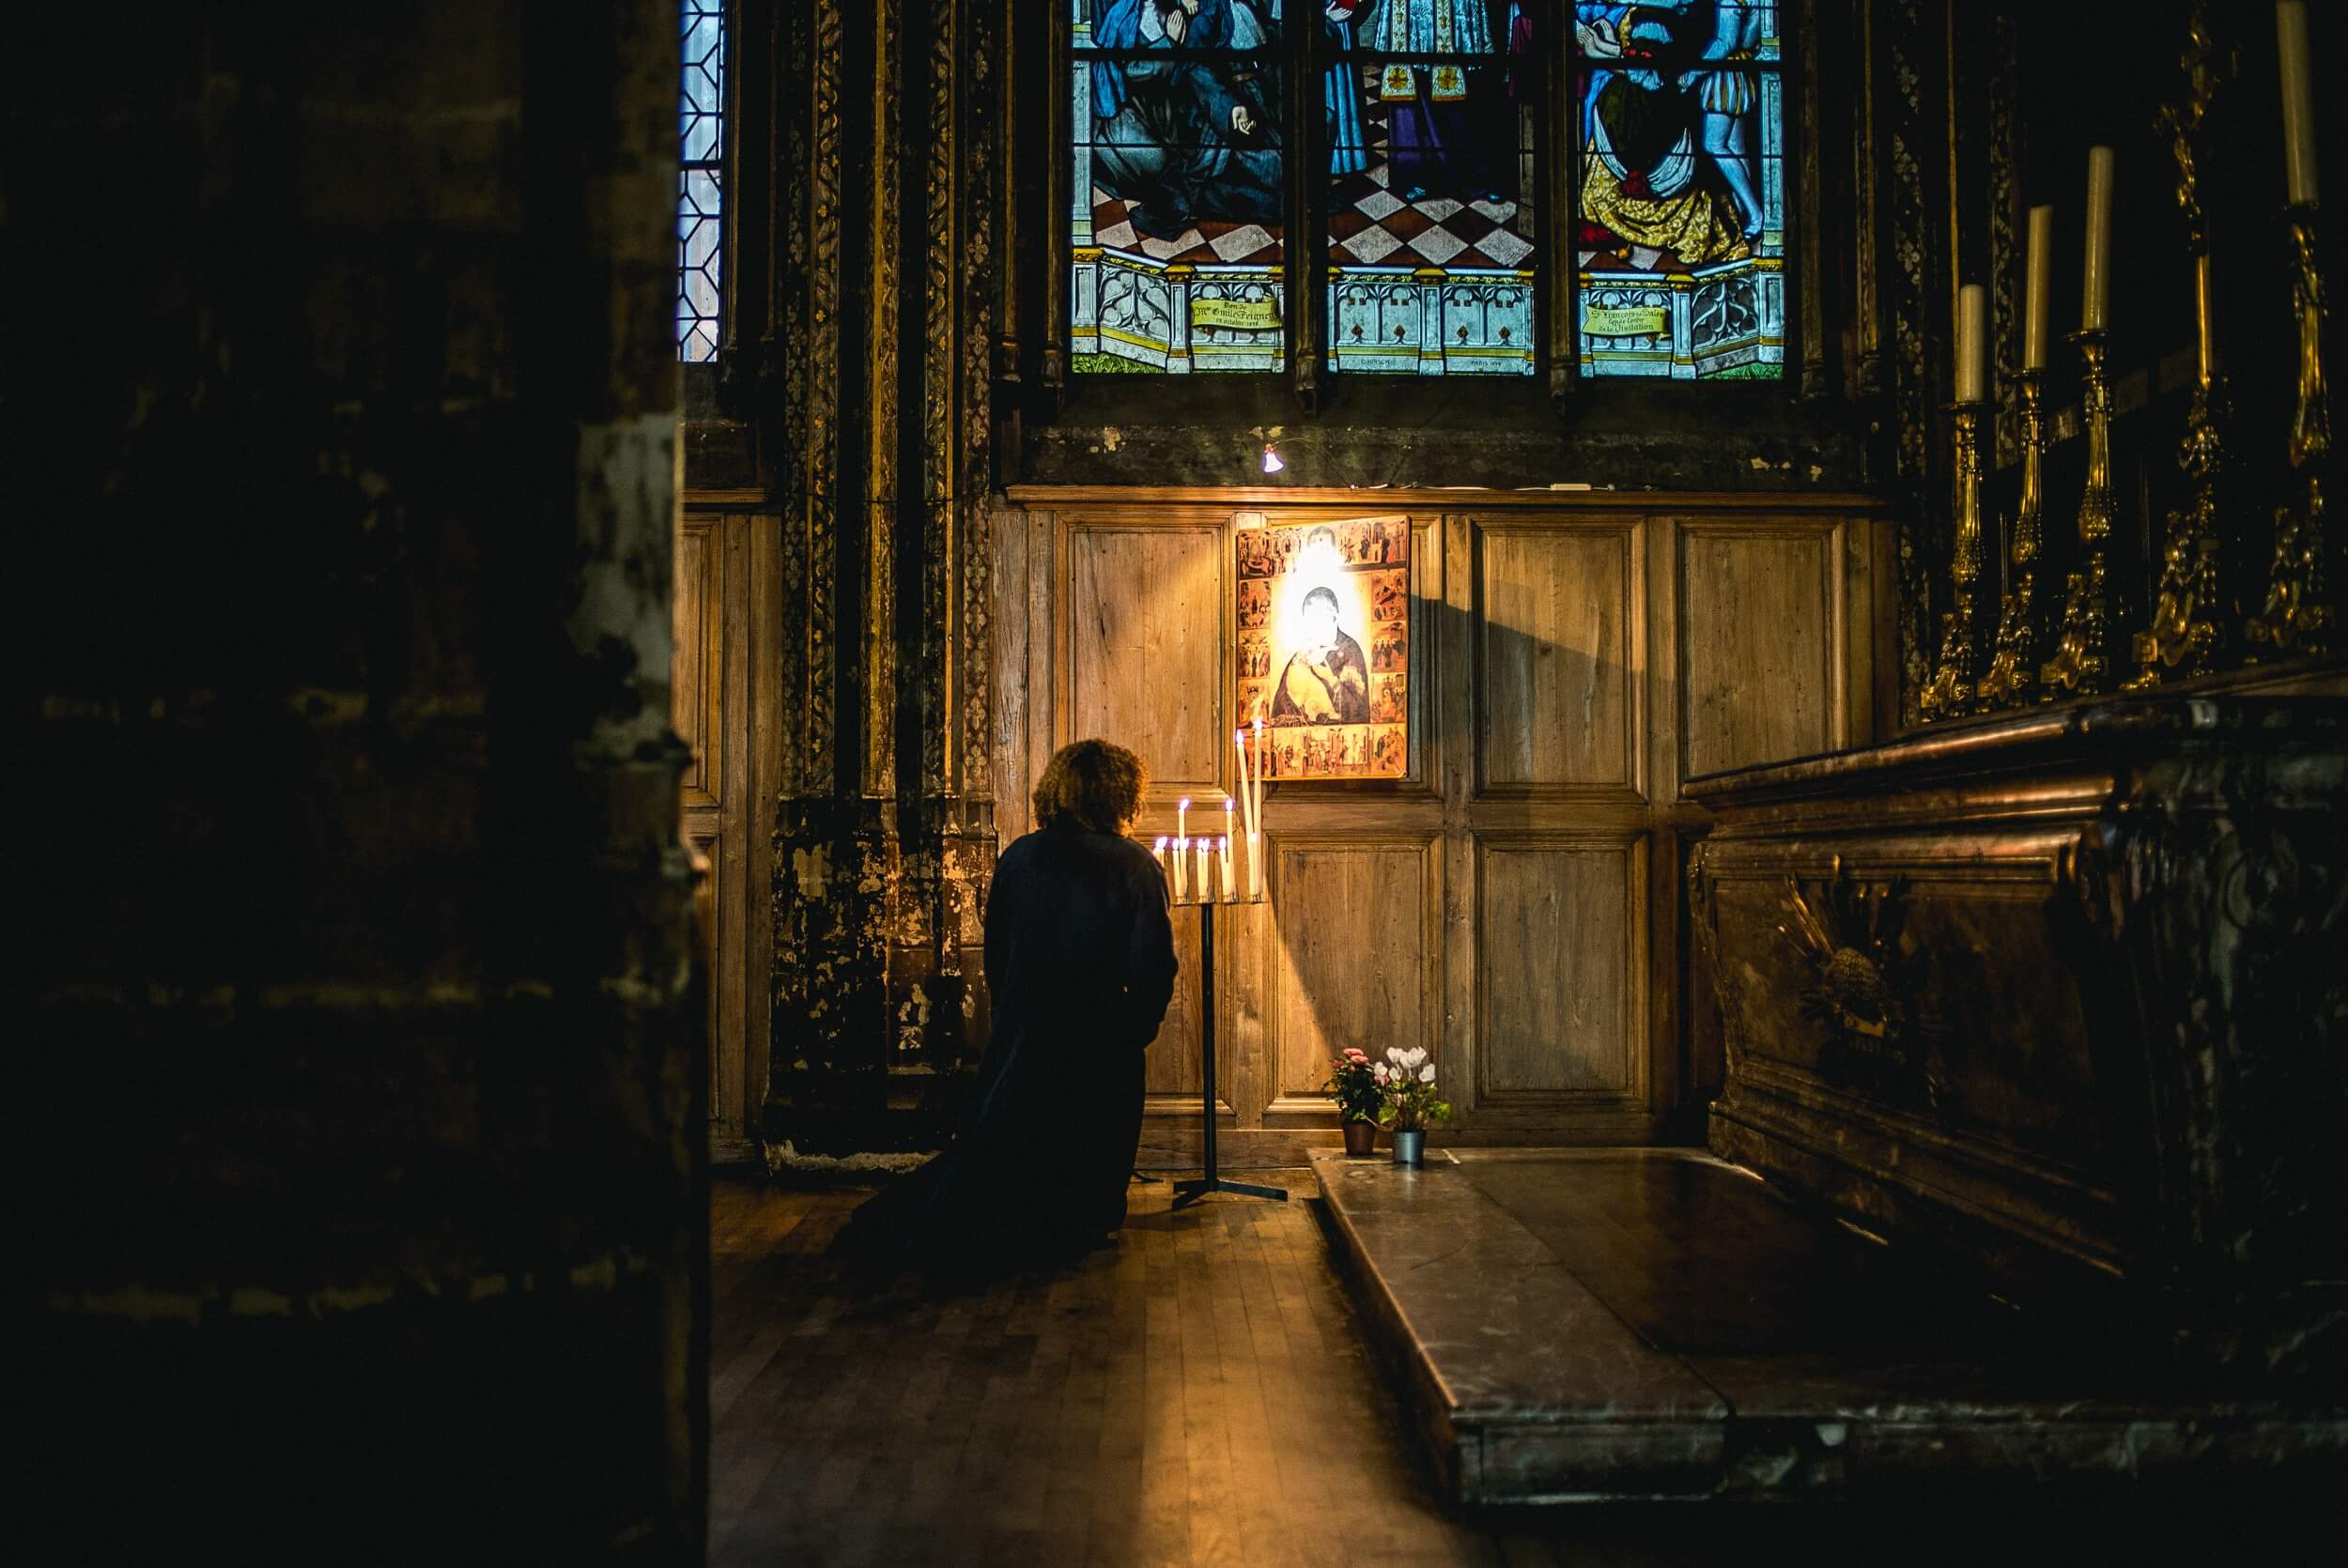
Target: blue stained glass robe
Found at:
x=1163, y=134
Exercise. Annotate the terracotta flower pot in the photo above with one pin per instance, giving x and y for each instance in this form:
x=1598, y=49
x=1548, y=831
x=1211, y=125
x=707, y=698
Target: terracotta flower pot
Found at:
x=1359, y=1137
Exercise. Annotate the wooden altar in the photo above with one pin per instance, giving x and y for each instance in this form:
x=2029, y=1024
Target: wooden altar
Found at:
x=2062, y=991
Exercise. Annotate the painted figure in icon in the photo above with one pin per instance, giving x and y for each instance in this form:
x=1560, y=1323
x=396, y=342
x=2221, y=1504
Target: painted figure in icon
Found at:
x=1327, y=680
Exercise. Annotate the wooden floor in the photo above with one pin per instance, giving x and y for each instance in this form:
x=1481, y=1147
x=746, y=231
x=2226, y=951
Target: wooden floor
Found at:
x=1201, y=1394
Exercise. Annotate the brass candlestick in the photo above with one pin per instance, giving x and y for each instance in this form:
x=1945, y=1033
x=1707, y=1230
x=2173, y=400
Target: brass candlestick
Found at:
x=1950, y=692
x=2081, y=659
x=2297, y=617
x=2183, y=629
x=2013, y=663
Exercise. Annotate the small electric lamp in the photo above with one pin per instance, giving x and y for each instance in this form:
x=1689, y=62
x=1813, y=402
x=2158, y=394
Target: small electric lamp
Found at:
x=1272, y=463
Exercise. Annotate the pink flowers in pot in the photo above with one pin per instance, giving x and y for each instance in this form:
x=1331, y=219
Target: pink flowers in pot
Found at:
x=1406, y=1086
x=1353, y=1085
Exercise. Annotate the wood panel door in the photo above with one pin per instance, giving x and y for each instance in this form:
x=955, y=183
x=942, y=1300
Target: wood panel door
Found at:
x=724, y=567
x=1513, y=903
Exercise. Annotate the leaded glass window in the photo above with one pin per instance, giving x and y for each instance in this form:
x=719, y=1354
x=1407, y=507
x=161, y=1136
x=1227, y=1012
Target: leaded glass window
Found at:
x=1448, y=169
x=1680, y=239
x=1434, y=110
x=1178, y=221
x=701, y=210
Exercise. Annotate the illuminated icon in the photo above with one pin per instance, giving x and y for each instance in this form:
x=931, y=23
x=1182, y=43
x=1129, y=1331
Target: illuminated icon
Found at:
x=1272, y=463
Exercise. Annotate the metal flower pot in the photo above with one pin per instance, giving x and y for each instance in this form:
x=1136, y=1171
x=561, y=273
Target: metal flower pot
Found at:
x=1410, y=1149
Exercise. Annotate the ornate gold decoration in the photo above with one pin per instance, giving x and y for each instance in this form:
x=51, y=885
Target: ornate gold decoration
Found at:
x=1950, y=692
x=2082, y=661
x=816, y=395
x=1848, y=934
x=2297, y=617
x=2182, y=630
x=2013, y=662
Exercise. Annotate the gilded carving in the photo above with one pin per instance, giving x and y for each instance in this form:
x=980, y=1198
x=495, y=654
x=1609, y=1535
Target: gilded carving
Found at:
x=822, y=398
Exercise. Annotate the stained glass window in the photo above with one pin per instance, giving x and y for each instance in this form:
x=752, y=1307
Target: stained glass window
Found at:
x=1434, y=112
x=1680, y=239
x=1178, y=217
x=700, y=211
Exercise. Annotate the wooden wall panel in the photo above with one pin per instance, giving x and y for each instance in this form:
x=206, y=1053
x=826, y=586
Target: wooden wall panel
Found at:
x=1560, y=656
x=1760, y=610
x=1146, y=658
x=1515, y=903
x=1171, y=1076
x=696, y=669
x=1562, y=973
x=726, y=633
x=1354, y=960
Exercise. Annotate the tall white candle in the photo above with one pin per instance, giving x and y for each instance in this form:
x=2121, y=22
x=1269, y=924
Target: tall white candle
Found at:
x=2095, y=290
x=1206, y=888
x=1227, y=819
x=1181, y=819
x=1182, y=857
x=1223, y=853
x=1255, y=829
x=2041, y=288
x=1973, y=343
x=1157, y=853
x=2291, y=44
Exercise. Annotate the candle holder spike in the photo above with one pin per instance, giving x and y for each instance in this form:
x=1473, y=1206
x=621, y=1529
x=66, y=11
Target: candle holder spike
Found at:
x=2082, y=661
x=2297, y=616
x=2013, y=662
x=1950, y=692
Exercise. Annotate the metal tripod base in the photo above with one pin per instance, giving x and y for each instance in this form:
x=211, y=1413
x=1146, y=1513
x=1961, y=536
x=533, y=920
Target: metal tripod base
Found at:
x=1186, y=1191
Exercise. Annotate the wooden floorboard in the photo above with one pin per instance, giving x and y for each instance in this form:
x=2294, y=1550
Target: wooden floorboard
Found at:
x=1202, y=1394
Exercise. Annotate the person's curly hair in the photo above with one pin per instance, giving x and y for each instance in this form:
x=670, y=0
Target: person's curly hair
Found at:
x=1091, y=784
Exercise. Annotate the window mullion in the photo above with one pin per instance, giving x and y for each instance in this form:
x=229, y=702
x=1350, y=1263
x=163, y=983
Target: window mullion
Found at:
x=1308, y=157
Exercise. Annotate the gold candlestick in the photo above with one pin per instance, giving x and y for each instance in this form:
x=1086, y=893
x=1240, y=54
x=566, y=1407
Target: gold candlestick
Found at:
x=2081, y=659
x=2297, y=617
x=2013, y=663
x=2183, y=629
x=1950, y=692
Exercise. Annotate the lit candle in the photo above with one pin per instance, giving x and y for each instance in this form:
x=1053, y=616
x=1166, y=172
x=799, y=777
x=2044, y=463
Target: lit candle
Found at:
x=1973, y=343
x=1181, y=819
x=1247, y=784
x=1206, y=888
x=1157, y=853
x=2095, y=292
x=1255, y=868
x=2290, y=42
x=2041, y=292
x=1182, y=857
x=1226, y=816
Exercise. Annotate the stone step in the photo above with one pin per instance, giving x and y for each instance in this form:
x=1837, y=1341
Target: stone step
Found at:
x=1615, y=1325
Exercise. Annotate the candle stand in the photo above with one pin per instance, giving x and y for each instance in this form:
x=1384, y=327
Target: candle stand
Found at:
x=2082, y=661
x=1213, y=1181
x=2297, y=615
x=2013, y=664
x=1951, y=694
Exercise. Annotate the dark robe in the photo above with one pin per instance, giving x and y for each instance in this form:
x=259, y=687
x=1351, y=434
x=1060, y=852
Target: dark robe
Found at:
x=1079, y=970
